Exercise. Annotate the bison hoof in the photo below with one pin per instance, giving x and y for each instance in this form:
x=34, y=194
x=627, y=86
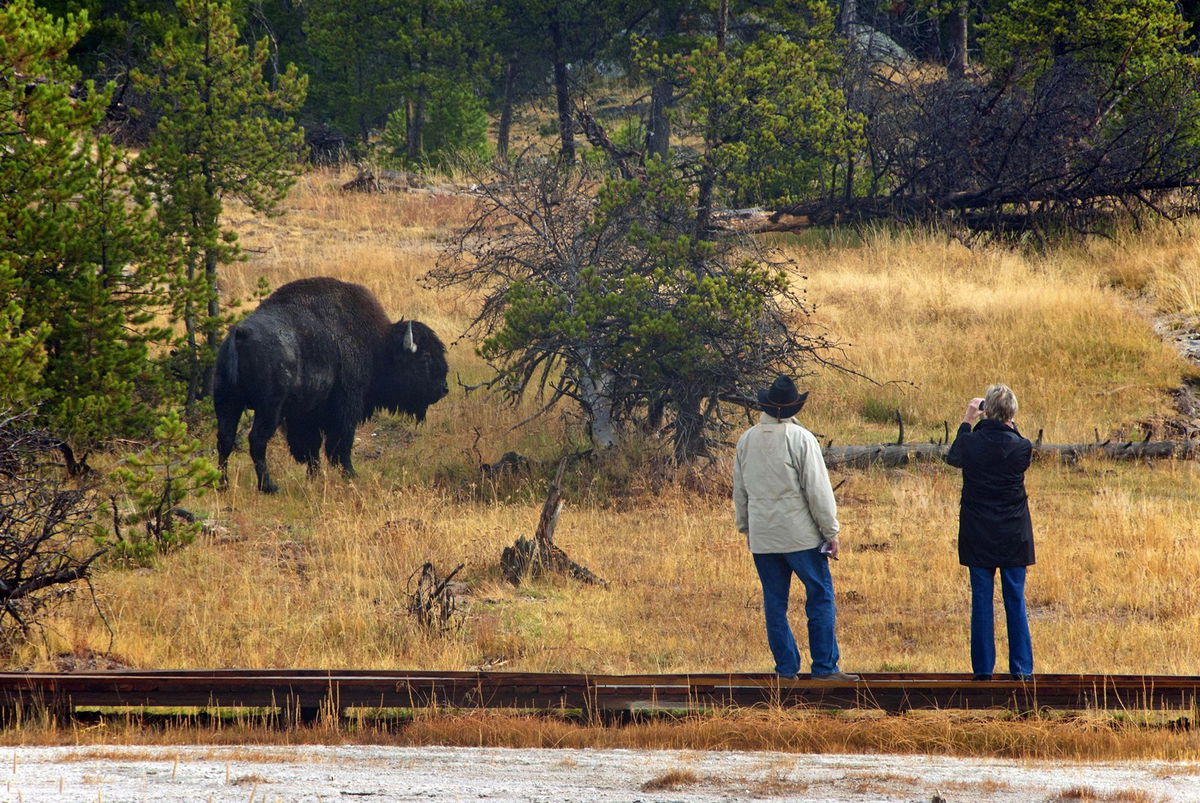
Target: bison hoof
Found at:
x=268, y=487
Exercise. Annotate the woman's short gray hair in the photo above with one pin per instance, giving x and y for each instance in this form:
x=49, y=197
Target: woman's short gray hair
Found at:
x=1000, y=403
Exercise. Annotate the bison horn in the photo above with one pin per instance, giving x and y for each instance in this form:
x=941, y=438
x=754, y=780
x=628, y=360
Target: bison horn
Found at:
x=409, y=345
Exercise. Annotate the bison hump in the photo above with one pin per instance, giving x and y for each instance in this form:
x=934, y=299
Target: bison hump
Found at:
x=347, y=309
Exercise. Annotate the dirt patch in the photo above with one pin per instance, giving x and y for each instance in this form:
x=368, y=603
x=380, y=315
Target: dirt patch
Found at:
x=1183, y=334
x=87, y=661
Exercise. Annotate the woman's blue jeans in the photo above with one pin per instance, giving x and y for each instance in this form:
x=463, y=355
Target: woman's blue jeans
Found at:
x=775, y=572
x=983, y=635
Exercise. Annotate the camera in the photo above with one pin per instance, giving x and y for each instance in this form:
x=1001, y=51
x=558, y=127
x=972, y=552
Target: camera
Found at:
x=981, y=406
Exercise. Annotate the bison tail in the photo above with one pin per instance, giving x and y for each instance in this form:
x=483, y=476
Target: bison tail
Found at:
x=228, y=366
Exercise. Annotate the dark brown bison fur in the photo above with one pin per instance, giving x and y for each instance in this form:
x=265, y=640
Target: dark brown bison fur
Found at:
x=319, y=356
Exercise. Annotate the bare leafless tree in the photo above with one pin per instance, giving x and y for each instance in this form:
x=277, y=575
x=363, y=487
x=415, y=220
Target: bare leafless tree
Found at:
x=1064, y=148
x=46, y=550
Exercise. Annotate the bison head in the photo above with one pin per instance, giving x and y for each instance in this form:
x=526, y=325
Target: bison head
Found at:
x=411, y=372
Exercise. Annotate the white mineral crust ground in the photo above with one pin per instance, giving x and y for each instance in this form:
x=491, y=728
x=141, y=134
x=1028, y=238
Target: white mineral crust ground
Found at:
x=369, y=773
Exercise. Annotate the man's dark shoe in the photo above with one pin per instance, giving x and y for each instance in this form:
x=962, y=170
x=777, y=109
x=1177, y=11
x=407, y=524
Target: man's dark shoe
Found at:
x=981, y=677
x=1023, y=678
x=838, y=677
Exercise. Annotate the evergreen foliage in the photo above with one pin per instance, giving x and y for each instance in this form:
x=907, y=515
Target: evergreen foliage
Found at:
x=456, y=131
x=619, y=293
x=155, y=482
x=22, y=357
x=401, y=64
x=79, y=279
x=355, y=64
x=223, y=133
x=1135, y=37
x=772, y=120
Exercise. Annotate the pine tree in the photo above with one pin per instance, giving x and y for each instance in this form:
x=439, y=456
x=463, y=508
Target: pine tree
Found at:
x=223, y=133
x=78, y=281
x=356, y=68
x=22, y=356
x=406, y=64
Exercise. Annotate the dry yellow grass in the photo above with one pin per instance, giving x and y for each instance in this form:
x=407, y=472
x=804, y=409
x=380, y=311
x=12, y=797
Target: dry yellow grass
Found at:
x=316, y=575
x=941, y=322
x=1088, y=736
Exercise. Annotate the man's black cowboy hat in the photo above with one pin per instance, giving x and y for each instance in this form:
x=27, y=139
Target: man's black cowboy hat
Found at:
x=782, y=400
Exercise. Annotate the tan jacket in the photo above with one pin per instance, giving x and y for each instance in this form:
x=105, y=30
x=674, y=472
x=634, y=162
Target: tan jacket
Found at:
x=781, y=492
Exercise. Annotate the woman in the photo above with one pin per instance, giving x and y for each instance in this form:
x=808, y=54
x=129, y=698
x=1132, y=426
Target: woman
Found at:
x=994, y=527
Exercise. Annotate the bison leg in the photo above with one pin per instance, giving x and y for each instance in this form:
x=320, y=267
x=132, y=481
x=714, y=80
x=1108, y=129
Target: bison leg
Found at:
x=228, y=416
x=342, y=414
x=265, y=424
x=337, y=448
x=304, y=442
x=339, y=439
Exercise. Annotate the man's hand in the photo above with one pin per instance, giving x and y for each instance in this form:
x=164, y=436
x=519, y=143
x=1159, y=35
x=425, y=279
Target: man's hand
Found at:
x=831, y=548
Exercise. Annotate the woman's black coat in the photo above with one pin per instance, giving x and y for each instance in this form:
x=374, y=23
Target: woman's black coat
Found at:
x=994, y=528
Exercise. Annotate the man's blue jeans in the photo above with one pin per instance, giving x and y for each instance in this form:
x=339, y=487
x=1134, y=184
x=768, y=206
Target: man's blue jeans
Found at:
x=983, y=634
x=775, y=572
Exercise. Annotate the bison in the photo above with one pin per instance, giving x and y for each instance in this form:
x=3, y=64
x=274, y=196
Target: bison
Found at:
x=320, y=356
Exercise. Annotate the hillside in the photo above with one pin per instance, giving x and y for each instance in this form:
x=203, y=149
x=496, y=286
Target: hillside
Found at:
x=317, y=575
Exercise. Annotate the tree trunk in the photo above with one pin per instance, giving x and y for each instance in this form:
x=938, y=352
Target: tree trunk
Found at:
x=210, y=326
x=506, y=111
x=654, y=415
x=708, y=171
x=722, y=24
x=527, y=559
x=956, y=30
x=689, y=426
x=211, y=336
x=848, y=193
x=894, y=455
x=191, y=329
x=704, y=193
x=847, y=16
x=415, y=112
x=562, y=92
x=597, y=398
x=419, y=124
x=658, y=133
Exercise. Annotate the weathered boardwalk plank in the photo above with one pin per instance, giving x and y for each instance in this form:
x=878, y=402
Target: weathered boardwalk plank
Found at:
x=345, y=689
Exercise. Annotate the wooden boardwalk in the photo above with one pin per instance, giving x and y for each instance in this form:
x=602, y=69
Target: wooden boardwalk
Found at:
x=310, y=690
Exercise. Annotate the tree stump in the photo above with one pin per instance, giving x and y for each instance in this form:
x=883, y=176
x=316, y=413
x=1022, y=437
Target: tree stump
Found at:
x=534, y=558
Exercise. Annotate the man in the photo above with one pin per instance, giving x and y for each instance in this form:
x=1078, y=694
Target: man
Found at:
x=784, y=503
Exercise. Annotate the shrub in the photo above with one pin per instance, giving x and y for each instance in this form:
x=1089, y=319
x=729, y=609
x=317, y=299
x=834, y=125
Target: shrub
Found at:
x=154, y=483
x=44, y=522
x=455, y=131
x=880, y=411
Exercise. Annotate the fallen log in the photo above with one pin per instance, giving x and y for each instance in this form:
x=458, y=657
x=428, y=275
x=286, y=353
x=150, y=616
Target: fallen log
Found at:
x=892, y=455
x=380, y=181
